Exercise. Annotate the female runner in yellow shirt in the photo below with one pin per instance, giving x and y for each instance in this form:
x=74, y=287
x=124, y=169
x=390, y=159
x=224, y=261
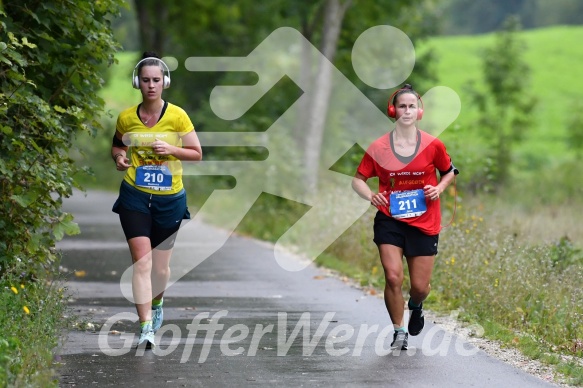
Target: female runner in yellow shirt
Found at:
x=149, y=142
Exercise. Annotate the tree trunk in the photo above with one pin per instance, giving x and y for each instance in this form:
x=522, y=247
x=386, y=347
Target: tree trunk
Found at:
x=144, y=28
x=152, y=17
x=159, y=32
x=307, y=75
x=318, y=110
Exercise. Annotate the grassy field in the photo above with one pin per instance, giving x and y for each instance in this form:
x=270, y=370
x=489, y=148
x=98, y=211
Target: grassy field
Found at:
x=554, y=60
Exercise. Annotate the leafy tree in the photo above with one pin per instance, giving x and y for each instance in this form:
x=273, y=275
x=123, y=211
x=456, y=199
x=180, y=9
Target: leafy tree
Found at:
x=560, y=12
x=505, y=106
x=51, y=55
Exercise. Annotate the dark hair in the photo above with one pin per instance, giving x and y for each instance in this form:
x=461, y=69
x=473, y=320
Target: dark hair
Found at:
x=150, y=54
x=407, y=88
x=149, y=62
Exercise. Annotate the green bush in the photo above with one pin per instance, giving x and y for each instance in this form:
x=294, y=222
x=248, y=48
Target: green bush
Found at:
x=30, y=325
x=51, y=55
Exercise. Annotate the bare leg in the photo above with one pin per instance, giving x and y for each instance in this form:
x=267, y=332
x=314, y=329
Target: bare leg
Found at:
x=141, y=277
x=160, y=271
x=392, y=261
x=420, y=270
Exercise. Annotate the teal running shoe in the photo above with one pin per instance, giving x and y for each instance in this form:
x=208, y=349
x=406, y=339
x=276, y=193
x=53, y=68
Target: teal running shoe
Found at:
x=157, y=318
x=147, y=337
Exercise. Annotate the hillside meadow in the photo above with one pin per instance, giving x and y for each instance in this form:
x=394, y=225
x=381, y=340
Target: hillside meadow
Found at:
x=554, y=56
x=543, y=199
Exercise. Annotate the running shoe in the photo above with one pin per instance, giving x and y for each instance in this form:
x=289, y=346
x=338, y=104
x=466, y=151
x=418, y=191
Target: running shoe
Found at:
x=147, y=337
x=157, y=318
x=400, y=340
x=416, y=320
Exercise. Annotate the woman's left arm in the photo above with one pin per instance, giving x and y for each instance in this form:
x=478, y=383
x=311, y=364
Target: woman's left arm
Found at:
x=433, y=192
x=445, y=181
x=190, y=150
x=442, y=163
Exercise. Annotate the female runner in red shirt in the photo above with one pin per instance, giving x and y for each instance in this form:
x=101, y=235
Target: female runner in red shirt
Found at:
x=408, y=221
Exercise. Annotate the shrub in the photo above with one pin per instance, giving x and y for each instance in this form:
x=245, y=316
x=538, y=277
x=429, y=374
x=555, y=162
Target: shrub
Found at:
x=51, y=54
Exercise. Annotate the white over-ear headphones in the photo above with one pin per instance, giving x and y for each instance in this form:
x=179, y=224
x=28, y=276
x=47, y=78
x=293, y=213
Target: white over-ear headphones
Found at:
x=136, y=79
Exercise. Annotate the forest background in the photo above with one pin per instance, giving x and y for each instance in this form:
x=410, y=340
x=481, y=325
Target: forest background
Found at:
x=511, y=260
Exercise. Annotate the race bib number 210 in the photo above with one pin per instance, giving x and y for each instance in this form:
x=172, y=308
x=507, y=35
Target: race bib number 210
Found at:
x=154, y=177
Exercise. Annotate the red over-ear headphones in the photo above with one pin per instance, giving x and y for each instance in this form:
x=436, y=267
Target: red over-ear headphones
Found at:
x=391, y=111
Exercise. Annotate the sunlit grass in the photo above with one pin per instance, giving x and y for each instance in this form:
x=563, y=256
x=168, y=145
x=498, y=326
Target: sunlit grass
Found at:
x=557, y=90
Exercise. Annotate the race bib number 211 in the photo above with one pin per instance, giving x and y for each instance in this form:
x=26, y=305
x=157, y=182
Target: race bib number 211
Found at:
x=407, y=204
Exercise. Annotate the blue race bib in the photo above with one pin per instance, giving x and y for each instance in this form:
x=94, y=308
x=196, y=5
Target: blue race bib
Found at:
x=154, y=177
x=407, y=204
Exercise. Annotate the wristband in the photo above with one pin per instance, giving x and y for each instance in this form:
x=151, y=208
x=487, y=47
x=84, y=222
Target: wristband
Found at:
x=116, y=156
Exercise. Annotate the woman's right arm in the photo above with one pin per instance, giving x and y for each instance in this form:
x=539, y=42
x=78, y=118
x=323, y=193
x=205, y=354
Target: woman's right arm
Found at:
x=359, y=185
x=118, y=152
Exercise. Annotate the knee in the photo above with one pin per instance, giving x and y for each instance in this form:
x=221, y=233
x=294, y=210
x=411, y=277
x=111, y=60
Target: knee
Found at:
x=162, y=272
x=393, y=278
x=420, y=289
x=143, y=265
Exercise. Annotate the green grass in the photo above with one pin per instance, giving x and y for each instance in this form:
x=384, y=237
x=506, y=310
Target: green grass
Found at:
x=32, y=315
x=553, y=59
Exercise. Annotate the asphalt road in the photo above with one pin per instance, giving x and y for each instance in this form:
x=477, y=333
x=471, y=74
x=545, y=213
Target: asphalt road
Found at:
x=240, y=319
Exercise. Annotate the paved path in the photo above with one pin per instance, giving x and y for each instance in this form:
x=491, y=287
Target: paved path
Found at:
x=239, y=319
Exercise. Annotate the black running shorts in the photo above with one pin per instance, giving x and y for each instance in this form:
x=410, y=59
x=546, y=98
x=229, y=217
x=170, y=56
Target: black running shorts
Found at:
x=149, y=215
x=388, y=230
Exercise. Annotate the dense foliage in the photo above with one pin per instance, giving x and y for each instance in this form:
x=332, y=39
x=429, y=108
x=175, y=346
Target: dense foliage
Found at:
x=51, y=56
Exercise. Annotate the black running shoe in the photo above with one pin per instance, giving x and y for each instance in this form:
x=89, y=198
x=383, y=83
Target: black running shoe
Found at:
x=400, y=340
x=416, y=320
